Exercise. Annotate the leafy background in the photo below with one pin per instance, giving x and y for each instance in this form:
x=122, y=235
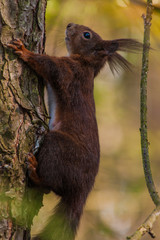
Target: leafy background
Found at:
x=119, y=201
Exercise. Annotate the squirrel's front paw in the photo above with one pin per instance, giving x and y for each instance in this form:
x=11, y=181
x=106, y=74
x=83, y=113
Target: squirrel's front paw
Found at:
x=17, y=45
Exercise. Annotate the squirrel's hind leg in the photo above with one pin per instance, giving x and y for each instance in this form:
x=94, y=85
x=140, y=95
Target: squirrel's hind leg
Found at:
x=32, y=167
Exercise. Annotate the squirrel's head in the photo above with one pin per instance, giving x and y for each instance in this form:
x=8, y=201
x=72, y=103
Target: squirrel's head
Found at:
x=85, y=42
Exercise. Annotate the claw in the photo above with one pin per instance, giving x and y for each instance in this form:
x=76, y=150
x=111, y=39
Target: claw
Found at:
x=19, y=52
x=18, y=42
x=12, y=46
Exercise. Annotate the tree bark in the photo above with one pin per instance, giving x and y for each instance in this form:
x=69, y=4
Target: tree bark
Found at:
x=22, y=115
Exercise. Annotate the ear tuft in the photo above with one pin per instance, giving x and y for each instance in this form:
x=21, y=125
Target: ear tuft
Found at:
x=115, y=60
x=129, y=45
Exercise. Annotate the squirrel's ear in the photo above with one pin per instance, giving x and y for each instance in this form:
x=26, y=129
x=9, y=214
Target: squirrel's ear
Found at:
x=110, y=47
x=106, y=48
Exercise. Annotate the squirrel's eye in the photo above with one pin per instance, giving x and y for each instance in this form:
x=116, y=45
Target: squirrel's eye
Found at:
x=87, y=35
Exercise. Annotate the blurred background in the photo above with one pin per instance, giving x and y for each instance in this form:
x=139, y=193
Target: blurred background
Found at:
x=119, y=202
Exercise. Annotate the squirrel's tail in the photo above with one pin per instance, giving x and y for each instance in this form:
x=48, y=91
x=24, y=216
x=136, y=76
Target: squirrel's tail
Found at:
x=115, y=60
x=63, y=224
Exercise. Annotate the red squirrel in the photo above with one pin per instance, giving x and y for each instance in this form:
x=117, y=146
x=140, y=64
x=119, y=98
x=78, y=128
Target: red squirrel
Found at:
x=68, y=160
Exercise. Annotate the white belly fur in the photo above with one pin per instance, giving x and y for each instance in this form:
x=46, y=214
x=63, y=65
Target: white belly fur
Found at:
x=52, y=105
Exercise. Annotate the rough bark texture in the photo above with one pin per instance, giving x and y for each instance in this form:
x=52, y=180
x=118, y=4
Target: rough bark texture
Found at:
x=22, y=114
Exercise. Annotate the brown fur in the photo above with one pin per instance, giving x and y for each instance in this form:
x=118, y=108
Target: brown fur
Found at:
x=69, y=157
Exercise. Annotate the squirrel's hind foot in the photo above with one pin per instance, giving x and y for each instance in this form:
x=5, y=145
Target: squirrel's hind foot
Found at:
x=32, y=167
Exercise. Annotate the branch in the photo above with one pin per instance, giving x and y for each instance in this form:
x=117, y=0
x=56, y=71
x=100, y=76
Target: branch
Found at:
x=147, y=226
x=143, y=4
x=144, y=139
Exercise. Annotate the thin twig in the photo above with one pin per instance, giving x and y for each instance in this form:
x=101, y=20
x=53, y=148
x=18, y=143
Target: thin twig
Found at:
x=147, y=226
x=144, y=139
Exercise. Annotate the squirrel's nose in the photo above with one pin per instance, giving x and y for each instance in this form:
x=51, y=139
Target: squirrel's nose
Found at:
x=70, y=25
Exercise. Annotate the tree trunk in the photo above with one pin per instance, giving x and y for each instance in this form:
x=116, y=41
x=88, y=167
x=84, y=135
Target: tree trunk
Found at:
x=22, y=115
